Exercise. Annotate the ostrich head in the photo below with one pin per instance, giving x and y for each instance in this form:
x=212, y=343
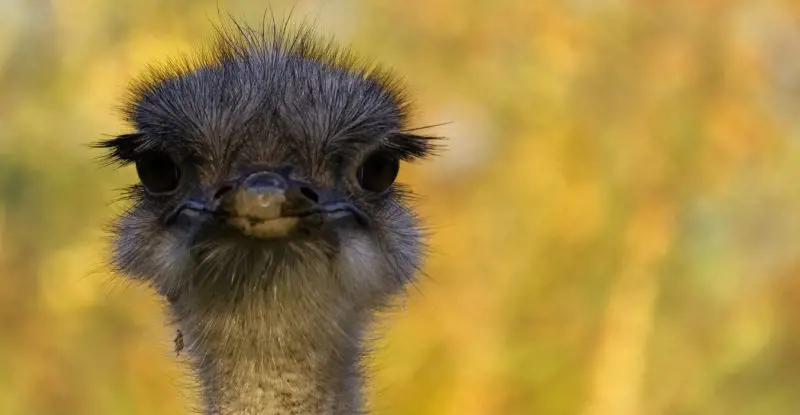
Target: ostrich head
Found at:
x=268, y=215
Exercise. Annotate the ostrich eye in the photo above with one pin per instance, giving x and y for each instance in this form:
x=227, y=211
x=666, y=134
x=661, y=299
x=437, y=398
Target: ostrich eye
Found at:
x=378, y=172
x=158, y=172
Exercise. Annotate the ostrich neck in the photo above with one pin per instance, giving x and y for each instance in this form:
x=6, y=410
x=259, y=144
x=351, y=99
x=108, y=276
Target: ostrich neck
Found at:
x=291, y=354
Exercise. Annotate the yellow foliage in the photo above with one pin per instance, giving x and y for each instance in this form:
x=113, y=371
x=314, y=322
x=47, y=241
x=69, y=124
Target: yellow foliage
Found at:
x=617, y=233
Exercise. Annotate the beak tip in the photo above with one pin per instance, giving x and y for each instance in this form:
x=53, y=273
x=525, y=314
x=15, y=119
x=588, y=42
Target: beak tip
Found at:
x=258, y=202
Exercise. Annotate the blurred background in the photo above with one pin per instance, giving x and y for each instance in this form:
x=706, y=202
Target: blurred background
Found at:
x=617, y=217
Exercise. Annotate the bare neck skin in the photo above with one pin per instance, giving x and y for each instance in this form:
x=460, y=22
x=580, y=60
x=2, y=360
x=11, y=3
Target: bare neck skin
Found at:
x=274, y=353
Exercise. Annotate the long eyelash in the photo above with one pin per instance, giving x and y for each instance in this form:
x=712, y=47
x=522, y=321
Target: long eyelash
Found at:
x=121, y=150
x=412, y=146
x=425, y=127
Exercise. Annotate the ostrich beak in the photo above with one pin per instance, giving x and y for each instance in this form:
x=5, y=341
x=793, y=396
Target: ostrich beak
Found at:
x=267, y=204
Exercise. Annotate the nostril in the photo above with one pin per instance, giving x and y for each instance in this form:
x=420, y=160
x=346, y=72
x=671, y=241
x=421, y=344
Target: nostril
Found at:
x=309, y=194
x=222, y=190
x=265, y=179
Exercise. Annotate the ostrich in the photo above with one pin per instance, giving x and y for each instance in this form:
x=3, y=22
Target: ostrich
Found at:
x=267, y=214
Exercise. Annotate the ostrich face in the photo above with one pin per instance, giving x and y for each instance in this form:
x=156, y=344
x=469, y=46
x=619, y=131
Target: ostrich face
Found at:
x=271, y=162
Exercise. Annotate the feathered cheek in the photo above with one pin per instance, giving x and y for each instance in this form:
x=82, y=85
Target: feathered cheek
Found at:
x=172, y=256
x=362, y=264
x=160, y=258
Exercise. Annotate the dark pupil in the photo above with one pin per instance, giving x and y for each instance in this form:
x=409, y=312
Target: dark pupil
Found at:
x=378, y=172
x=157, y=172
